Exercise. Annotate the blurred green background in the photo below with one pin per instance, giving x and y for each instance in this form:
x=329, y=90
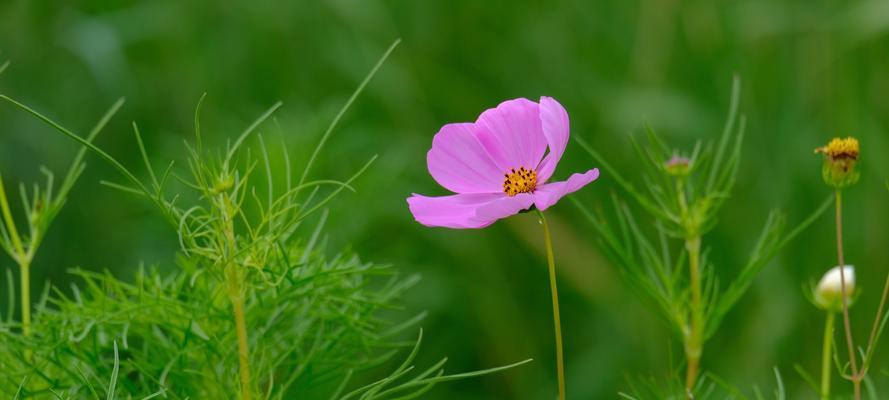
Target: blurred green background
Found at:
x=810, y=69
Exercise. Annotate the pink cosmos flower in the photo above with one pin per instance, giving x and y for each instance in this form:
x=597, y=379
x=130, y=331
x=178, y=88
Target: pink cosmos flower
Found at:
x=498, y=166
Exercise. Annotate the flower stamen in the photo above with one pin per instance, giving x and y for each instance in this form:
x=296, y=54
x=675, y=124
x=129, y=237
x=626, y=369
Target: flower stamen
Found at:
x=519, y=181
x=838, y=148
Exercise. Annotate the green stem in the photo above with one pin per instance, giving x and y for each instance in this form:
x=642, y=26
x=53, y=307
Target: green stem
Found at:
x=26, y=299
x=853, y=359
x=874, y=331
x=25, y=271
x=234, y=277
x=10, y=224
x=23, y=259
x=235, y=294
x=560, y=359
x=827, y=355
x=694, y=332
x=694, y=336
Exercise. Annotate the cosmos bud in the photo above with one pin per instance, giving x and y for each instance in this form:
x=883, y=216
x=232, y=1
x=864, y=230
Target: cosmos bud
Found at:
x=677, y=165
x=828, y=292
x=840, y=161
x=224, y=182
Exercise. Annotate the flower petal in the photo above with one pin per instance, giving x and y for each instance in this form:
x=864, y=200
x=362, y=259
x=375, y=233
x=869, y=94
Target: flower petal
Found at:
x=554, y=121
x=505, y=206
x=512, y=134
x=466, y=211
x=548, y=194
x=459, y=163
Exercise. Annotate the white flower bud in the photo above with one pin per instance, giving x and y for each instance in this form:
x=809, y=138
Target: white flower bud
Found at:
x=829, y=290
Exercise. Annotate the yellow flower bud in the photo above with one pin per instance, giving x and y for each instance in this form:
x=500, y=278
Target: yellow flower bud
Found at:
x=840, y=161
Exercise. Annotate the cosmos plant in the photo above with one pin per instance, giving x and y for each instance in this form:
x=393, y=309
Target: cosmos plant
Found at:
x=258, y=309
x=682, y=193
x=500, y=166
x=836, y=290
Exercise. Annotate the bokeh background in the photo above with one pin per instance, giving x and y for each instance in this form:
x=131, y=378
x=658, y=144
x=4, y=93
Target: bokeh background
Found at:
x=810, y=69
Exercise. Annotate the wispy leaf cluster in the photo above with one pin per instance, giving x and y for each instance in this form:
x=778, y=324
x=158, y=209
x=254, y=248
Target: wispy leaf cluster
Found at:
x=41, y=204
x=681, y=195
x=709, y=387
x=323, y=322
x=255, y=296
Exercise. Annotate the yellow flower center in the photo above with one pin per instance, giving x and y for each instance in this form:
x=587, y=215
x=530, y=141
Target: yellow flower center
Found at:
x=520, y=181
x=841, y=148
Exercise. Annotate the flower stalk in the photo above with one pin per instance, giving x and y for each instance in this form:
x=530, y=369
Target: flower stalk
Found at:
x=26, y=298
x=234, y=277
x=23, y=259
x=875, y=329
x=235, y=295
x=560, y=359
x=858, y=374
x=853, y=360
x=827, y=354
x=693, y=332
x=839, y=170
x=693, y=335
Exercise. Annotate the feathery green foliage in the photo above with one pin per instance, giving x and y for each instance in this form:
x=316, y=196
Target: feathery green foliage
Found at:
x=256, y=295
x=683, y=196
x=40, y=208
x=43, y=204
x=709, y=387
x=177, y=336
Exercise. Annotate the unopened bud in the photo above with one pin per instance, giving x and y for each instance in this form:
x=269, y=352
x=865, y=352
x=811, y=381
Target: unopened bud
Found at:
x=828, y=293
x=223, y=184
x=677, y=166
